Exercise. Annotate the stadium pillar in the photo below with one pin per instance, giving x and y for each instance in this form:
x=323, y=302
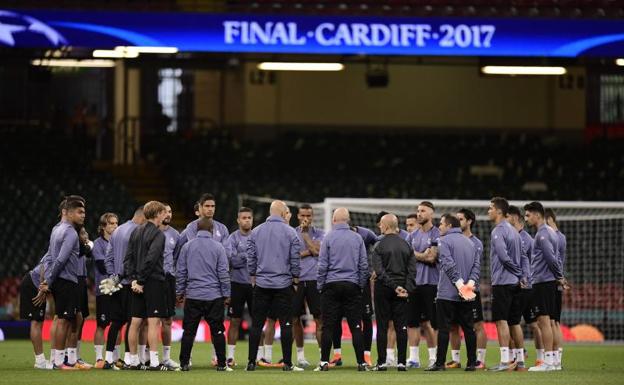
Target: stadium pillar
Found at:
x=127, y=130
x=207, y=96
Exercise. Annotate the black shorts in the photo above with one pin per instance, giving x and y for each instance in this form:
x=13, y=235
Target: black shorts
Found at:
x=544, y=299
x=422, y=306
x=307, y=293
x=241, y=294
x=66, y=297
x=152, y=303
x=28, y=291
x=558, y=304
x=528, y=313
x=454, y=313
x=171, y=294
x=119, y=305
x=477, y=308
x=83, y=301
x=102, y=310
x=507, y=304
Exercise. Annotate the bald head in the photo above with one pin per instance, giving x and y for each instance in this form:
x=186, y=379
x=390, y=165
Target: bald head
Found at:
x=278, y=208
x=341, y=215
x=389, y=224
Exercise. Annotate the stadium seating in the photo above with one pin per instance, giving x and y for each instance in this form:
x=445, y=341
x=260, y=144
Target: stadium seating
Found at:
x=36, y=171
x=310, y=167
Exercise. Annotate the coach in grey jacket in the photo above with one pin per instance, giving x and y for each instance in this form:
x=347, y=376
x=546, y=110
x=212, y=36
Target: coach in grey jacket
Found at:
x=273, y=262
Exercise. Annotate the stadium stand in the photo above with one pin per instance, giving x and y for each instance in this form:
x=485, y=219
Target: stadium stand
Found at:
x=30, y=190
x=310, y=167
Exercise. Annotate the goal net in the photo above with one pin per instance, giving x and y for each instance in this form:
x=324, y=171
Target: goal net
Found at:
x=594, y=261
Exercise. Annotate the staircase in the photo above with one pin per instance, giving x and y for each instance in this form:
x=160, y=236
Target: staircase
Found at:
x=146, y=183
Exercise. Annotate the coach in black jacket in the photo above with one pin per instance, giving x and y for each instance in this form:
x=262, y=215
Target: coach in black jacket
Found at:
x=395, y=268
x=143, y=265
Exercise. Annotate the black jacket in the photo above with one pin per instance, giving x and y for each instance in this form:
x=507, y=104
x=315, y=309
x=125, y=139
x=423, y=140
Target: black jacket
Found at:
x=144, y=257
x=394, y=263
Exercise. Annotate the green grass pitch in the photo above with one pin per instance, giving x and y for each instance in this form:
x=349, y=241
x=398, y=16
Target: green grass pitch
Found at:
x=583, y=364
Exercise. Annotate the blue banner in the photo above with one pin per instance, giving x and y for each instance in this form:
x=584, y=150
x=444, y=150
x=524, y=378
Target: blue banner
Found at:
x=199, y=32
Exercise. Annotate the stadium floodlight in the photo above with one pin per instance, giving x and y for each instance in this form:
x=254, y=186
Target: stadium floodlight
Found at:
x=619, y=62
x=286, y=66
x=115, y=54
x=146, y=49
x=131, y=52
x=522, y=70
x=87, y=63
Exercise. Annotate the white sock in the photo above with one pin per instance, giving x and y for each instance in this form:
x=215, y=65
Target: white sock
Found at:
x=98, y=352
x=109, y=357
x=134, y=359
x=153, y=359
x=560, y=355
x=455, y=355
x=432, y=353
x=540, y=354
x=78, y=349
x=518, y=355
x=268, y=352
x=128, y=358
x=338, y=351
x=59, y=357
x=389, y=355
x=39, y=358
x=116, y=353
x=481, y=355
x=504, y=354
x=52, y=355
x=367, y=352
x=549, y=358
x=166, y=353
x=71, y=356
x=300, y=354
x=260, y=354
x=231, y=349
x=414, y=356
x=556, y=360
x=142, y=356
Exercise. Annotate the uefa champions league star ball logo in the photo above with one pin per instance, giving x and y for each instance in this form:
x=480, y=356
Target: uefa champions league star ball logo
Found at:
x=18, y=30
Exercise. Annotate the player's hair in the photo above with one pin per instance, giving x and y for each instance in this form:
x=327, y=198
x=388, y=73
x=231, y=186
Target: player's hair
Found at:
x=196, y=206
x=70, y=198
x=535, y=207
x=72, y=204
x=515, y=210
x=138, y=211
x=380, y=215
x=468, y=214
x=206, y=197
x=501, y=204
x=104, y=221
x=412, y=216
x=305, y=206
x=205, y=224
x=152, y=209
x=427, y=204
x=450, y=219
x=550, y=213
x=245, y=210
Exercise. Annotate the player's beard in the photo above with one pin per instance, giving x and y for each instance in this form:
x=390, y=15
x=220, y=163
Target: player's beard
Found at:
x=166, y=222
